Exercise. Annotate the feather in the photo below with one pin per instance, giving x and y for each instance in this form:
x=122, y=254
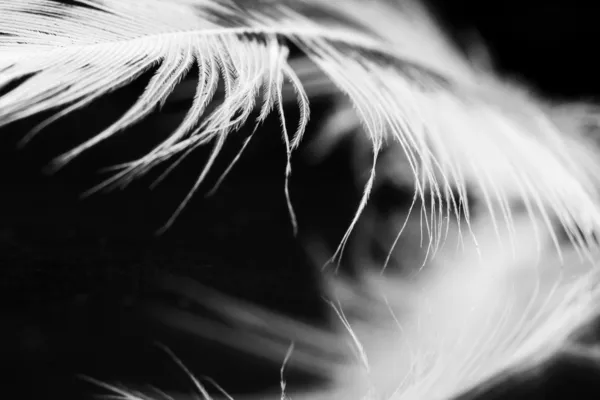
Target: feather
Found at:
x=452, y=124
x=460, y=327
x=446, y=331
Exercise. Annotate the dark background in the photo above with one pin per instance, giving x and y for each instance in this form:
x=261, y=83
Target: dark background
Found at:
x=74, y=272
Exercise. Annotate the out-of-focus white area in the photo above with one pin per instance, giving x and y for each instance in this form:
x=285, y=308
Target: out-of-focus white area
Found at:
x=471, y=312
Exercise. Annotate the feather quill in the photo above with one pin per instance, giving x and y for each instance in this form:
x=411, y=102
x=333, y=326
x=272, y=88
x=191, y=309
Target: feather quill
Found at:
x=450, y=123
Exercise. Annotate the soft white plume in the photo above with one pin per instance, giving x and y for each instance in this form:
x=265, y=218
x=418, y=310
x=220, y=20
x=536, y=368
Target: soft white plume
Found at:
x=455, y=124
x=472, y=314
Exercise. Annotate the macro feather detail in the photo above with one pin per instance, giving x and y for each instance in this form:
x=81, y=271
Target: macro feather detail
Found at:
x=430, y=118
x=455, y=125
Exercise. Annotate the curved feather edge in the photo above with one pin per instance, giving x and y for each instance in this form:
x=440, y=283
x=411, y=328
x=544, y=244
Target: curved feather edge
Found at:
x=455, y=125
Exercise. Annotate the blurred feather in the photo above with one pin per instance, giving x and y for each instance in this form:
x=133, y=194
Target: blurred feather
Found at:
x=468, y=318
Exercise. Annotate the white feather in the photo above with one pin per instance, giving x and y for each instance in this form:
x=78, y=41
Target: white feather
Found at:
x=467, y=318
x=455, y=124
x=448, y=122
